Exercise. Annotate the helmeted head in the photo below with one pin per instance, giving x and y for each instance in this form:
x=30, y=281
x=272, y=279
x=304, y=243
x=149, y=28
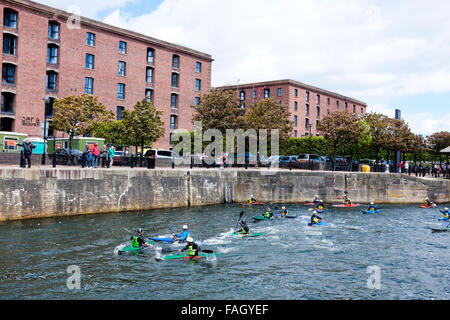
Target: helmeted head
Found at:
x=185, y=227
x=426, y=198
x=190, y=240
x=446, y=209
x=372, y=203
x=283, y=208
x=251, y=196
x=314, y=212
x=140, y=231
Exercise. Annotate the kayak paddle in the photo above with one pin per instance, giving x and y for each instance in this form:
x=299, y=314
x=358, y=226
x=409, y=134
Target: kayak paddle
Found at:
x=240, y=217
x=168, y=250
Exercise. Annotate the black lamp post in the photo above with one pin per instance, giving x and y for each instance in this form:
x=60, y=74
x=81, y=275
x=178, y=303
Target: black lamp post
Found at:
x=46, y=102
x=310, y=146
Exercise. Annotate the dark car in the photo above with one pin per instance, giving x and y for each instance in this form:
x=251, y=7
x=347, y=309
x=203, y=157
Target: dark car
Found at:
x=284, y=161
x=62, y=156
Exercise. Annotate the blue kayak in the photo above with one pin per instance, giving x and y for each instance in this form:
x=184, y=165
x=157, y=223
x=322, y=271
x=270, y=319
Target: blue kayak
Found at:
x=170, y=240
x=443, y=219
x=318, y=224
x=372, y=211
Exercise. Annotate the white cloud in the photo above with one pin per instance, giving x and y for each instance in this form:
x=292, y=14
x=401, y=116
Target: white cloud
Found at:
x=88, y=8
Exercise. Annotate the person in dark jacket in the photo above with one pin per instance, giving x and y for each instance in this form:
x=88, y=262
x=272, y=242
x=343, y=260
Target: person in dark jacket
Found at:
x=27, y=151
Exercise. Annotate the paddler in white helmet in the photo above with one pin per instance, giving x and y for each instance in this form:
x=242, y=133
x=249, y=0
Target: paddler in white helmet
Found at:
x=192, y=247
x=251, y=200
x=284, y=211
x=182, y=236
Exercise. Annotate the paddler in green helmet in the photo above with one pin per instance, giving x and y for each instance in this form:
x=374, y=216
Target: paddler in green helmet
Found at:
x=138, y=239
x=268, y=214
x=192, y=247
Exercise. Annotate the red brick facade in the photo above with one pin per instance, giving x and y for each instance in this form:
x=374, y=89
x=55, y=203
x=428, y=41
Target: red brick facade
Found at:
x=29, y=87
x=295, y=93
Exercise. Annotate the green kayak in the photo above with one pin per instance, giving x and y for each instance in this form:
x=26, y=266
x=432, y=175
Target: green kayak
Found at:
x=249, y=235
x=258, y=218
x=187, y=257
x=440, y=230
x=134, y=249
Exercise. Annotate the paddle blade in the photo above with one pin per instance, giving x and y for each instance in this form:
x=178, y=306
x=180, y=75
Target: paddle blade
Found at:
x=208, y=251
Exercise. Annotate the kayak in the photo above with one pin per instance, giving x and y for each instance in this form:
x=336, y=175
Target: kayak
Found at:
x=372, y=211
x=249, y=235
x=443, y=219
x=256, y=203
x=318, y=224
x=170, y=240
x=314, y=204
x=133, y=249
x=346, y=206
x=187, y=257
x=320, y=211
x=259, y=218
x=280, y=215
x=428, y=206
x=440, y=230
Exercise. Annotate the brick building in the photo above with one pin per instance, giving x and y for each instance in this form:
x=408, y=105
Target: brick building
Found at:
x=48, y=54
x=307, y=104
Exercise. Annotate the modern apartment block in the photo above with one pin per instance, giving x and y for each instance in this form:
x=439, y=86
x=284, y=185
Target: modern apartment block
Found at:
x=307, y=104
x=48, y=54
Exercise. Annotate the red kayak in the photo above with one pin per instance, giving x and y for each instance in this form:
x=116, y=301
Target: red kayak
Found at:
x=428, y=206
x=256, y=204
x=346, y=206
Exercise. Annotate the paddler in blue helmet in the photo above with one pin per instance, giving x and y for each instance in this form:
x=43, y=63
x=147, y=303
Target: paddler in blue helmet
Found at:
x=244, y=227
x=192, y=247
x=138, y=239
x=182, y=236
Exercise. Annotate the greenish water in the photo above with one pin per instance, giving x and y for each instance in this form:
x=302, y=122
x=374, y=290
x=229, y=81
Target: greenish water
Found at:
x=291, y=262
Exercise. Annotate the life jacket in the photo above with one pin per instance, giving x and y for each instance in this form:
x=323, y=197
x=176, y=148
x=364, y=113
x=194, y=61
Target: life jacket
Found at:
x=191, y=251
x=316, y=220
x=285, y=212
x=348, y=202
x=244, y=229
x=372, y=208
x=135, y=242
x=267, y=214
x=320, y=207
x=250, y=200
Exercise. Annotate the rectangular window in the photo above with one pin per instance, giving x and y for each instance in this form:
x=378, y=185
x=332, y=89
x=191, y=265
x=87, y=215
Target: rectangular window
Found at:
x=307, y=109
x=149, y=75
x=362, y=111
x=266, y=93
x=174, y=101
x=7, y=102
x=295, y=106
x=295, y=120
x=328, y=101
x=198, y=67
x=318, y=113
x=89, y=85
x=295, y=134
x=198, y=84
x=10, y=18
x=53, y=30
x=119, y=113
x=354, y=109
x=337, y=104
x=121, y=91
x=9, y=74
x=9, y=44
x=346, y=106
x=52, y=54
x=90, y=39
x=51, y=81
x=122, y=47
x=149, y=95
x=295, y=92
x=307, y=96
x=318, y=100
x=197, y=101
x=254, y=94
x=280, y=92
x=173, y=122
x=176, y=62
x=150, y=55
x=242, y=96
x=174, y=80
x=89, y=61
x=122, y=68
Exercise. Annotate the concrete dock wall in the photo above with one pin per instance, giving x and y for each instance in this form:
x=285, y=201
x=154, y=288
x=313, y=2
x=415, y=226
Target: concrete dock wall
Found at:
x=35, y=193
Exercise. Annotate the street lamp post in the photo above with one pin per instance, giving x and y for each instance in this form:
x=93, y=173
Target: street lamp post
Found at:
x=46, y=101
x=311, y=167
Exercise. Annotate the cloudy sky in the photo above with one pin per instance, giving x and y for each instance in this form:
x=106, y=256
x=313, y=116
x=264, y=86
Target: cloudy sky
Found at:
x=390, y=54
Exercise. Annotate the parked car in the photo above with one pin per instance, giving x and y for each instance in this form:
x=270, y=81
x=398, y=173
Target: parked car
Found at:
x=284, y=161
x=306, y=158
x=164, y=157
x=121, y=158
x=62, y=156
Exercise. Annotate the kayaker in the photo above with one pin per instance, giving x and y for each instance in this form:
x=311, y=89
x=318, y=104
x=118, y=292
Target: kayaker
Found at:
x=428, y=203
x=192, y=247
x=244, y=227
x=315, y=219
x=348, y=201
x=284, y=211
x=182, y=236
x=268, y=214
x=372, y=207
x=138, y=240
x=445, y=213
x=316, y=200
x=320, y=206
x=251, y=200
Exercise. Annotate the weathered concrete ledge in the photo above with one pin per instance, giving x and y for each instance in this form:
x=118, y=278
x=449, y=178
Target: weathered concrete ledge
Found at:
x=36, y=193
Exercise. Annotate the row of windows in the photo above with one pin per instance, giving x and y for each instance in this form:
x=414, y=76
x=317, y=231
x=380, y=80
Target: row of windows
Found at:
x=280, y=93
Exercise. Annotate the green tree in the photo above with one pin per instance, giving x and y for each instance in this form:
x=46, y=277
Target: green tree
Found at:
x=112, y=131
x=143, y=125
x=439, y=141
x=77, y=115
x=341, y=128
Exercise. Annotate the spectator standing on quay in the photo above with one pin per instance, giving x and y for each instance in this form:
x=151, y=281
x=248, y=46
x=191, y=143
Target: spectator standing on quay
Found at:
x=407, y=168
x=95, y=153
x=87, y=161
x=111, y=154
x=27, y=151
x=104, y=156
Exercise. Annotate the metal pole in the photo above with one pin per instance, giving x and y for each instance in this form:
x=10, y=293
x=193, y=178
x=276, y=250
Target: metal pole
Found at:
x=46, y=101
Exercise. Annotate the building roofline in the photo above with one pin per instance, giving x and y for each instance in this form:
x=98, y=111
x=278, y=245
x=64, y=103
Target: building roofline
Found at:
x=109, y=28
x=297, y=84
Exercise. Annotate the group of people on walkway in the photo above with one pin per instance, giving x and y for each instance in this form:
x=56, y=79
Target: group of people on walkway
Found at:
x=421, y=170
x=92, y=156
